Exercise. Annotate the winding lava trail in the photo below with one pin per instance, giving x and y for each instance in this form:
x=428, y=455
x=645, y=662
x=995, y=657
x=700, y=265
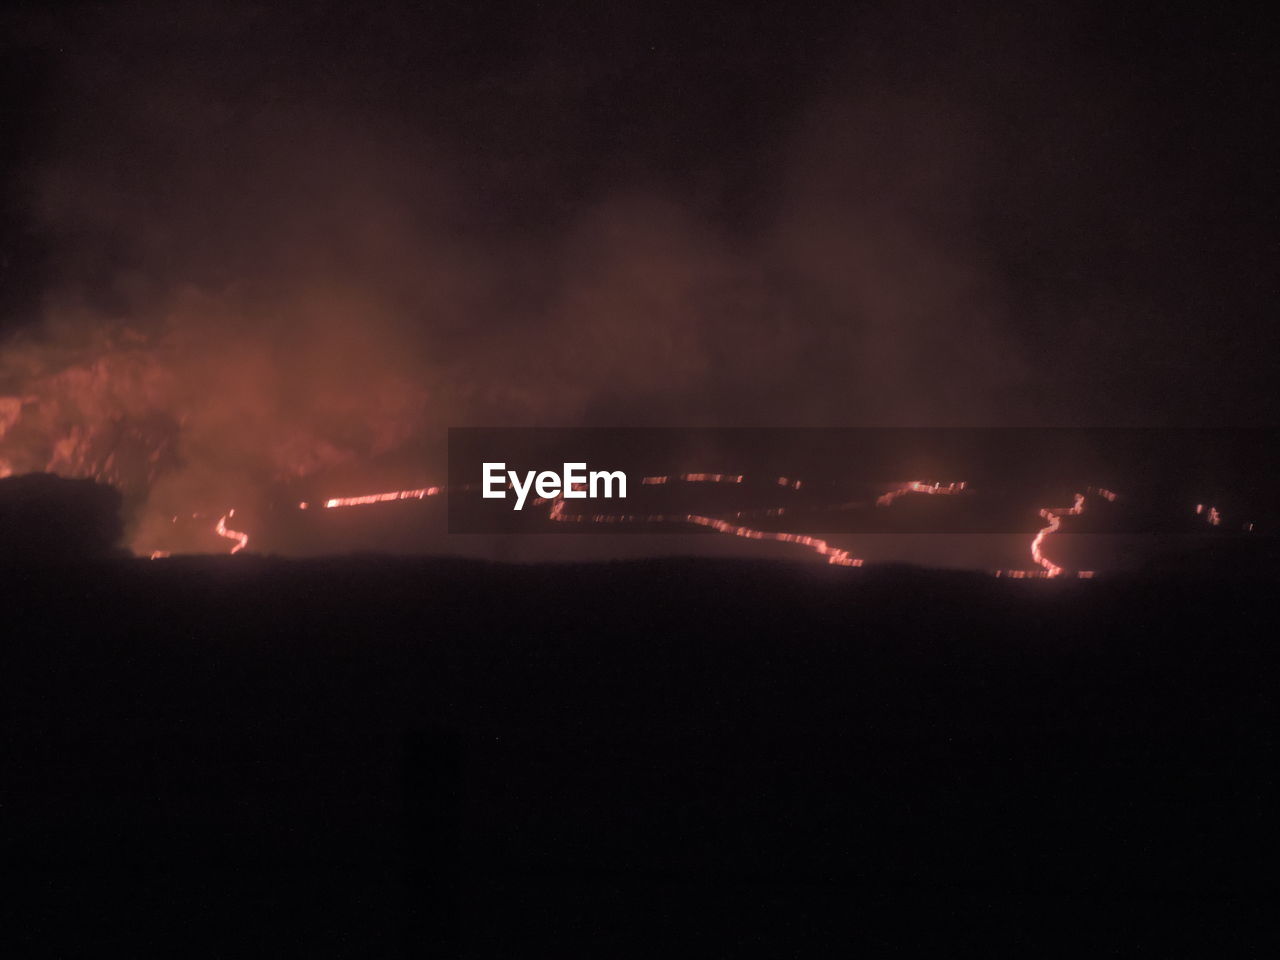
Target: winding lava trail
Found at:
x=1045, y=567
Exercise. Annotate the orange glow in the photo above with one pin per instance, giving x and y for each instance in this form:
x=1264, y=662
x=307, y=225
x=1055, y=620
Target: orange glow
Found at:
x=1214, y=518
x=917, y=486
x=241, y=539
x=694, y=478
x=416, y=494
x=1211, y=516
x=1045, y=567
x=1049, y=569
x=834, y=555
x=1055, y=521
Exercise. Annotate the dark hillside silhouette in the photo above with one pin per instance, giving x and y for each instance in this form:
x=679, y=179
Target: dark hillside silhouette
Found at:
x=44, y=518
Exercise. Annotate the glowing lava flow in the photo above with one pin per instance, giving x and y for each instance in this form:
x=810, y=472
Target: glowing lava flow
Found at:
x=834, y=555
x=1055, y=521
x=916, y=486
x=1213, y=517
x=220, y=528
x=242, y=539
x=729, y=523
x=1049, y=569
x=694, y=478
x=416, y=494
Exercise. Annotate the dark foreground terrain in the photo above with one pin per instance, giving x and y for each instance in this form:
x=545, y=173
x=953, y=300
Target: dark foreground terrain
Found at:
x=372, y=757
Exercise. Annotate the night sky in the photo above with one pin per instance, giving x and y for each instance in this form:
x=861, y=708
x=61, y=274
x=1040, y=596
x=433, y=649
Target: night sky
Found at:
x=676, y=214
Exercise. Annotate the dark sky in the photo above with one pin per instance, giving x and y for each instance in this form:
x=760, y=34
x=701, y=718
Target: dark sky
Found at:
x=678, y=213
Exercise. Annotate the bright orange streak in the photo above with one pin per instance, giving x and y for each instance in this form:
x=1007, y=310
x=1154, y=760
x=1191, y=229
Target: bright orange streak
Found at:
x=1039, y=574
x=1055, y=521
x=694, y=478
x=916, y=486
x=834, y=555
x=242, y=539
x=417, y=494
x=1049, y=569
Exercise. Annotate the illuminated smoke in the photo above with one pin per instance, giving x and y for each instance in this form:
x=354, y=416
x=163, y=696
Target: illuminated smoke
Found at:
x=270, y=258
x=245, y=290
